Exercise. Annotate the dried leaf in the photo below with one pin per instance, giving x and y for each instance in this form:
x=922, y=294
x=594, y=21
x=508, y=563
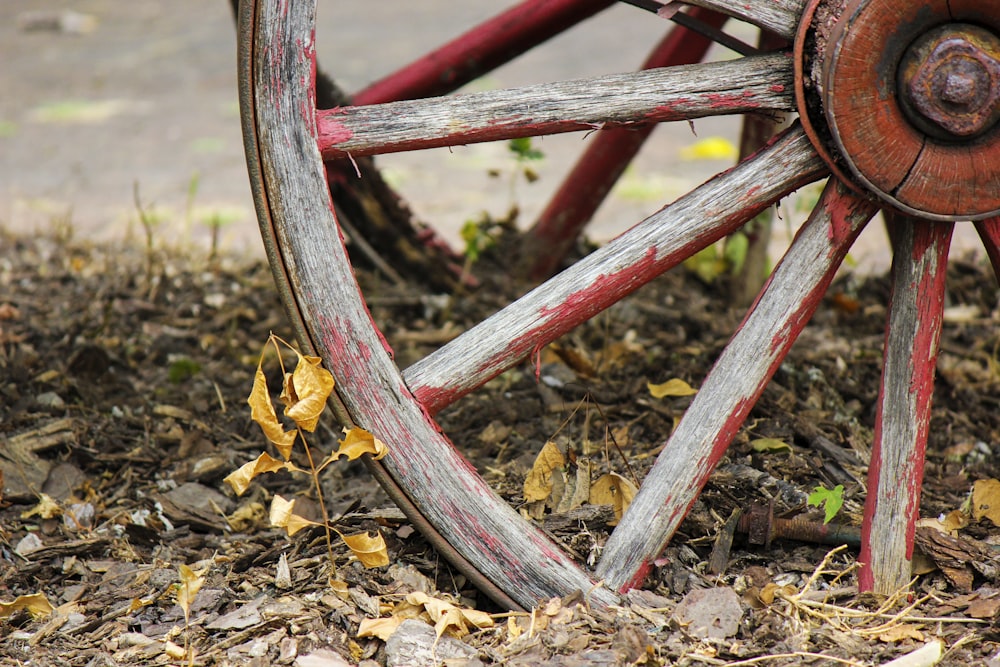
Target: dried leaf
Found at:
x=577, y=490
x=46, y=508
x=239, y=479
x=371, y=551
x=283, y=515
x=986, y=500
x=447, y=617
x=903, y=631
x=613, y=489
x=35, y=604
x=538, y=483
x=311, y=385
x=379, y=627
x=672, y=387
x=710, y=148
x=191, y=582
x=356, y=443
x=262, y=412
x=770, y=445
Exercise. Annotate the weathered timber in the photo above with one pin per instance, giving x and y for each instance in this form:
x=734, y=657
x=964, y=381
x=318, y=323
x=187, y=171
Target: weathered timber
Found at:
x=298, y=222
x=989, y=232
x=779, y=16
x=618, y=268
x=902, y=420
x=757, y=83
x=733, y=385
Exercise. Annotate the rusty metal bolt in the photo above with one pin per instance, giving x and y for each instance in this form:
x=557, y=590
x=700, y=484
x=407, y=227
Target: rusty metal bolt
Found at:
x=951, y=77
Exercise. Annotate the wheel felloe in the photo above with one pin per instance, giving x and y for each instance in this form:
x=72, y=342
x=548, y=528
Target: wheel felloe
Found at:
x=903, y=100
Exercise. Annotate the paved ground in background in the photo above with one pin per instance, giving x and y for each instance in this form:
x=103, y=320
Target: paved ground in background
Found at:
x=144, y=95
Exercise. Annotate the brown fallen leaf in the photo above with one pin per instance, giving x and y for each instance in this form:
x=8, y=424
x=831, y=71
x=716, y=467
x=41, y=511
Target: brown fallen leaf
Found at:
x=371, y=551
x=986, y=500
x=674, y=387
x=613, y=489
x=262, y=412
x=356, y=443
x=306, y=391
x=282, y=515
x=35, y=604
x=538, y=483
x=239, y=479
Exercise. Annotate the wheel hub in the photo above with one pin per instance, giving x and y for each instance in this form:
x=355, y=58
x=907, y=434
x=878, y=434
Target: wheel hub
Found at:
x=902, y=100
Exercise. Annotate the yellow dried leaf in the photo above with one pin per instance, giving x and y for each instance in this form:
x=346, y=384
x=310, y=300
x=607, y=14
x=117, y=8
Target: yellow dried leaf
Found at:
x=773, y=590
x=613, y=489
x=901, y=632
x=283, y=515
x=379, y=627
x=35, y=604
x=174, y=651
x=358, y=442
x=46, y=508
x=312, y=385
x=770, y=445
x=538, y=483
x=262, y=412
x=448, y=617
x=239, y=479
x=710, y=148
x=672, y=387
x=191, y=582
x=986, y=500
x=370, y=551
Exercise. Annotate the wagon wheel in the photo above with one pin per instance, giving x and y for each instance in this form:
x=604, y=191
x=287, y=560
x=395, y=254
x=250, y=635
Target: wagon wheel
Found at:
x=897, y=102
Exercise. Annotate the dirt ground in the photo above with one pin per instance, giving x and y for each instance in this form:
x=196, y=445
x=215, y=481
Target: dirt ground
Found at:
x=124, y=373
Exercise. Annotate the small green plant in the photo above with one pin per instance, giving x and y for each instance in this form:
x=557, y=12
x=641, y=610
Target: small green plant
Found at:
x=182, y=369
x=831, y=500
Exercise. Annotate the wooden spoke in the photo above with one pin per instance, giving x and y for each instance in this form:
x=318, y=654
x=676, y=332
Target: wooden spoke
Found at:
x=757, y=83
x=734, y=385
x=913, y=329
x=661, y=241
x=779, y=16
x=989, y=232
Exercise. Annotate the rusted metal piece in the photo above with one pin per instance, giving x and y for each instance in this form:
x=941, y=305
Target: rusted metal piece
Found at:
x=951, y=77
x=762, y=527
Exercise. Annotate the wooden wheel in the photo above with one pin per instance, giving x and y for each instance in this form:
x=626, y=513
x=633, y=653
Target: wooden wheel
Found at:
x=870, y=78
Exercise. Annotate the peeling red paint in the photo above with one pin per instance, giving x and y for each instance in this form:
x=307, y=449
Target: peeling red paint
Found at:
x=777, y=88
x=330, y=133
x=728, y=100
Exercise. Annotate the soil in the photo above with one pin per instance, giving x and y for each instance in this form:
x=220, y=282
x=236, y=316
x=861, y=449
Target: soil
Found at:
x=124, y=373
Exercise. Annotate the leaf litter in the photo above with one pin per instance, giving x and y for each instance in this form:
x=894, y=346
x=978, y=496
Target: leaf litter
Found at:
x=121, y=540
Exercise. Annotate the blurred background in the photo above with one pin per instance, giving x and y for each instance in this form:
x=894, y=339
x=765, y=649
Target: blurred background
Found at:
x=103, y=100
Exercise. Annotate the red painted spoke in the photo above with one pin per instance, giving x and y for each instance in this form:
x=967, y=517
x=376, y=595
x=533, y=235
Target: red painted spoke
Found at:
x=913, y=329
x=606, y=157
x=604, y=277
x=734, y=385
x=778, y=16
x=989, y=232
x=480, y=50
x=757, y=83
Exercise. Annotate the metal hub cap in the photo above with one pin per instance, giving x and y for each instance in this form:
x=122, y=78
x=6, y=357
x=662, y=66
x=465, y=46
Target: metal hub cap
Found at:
x=904, y=101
